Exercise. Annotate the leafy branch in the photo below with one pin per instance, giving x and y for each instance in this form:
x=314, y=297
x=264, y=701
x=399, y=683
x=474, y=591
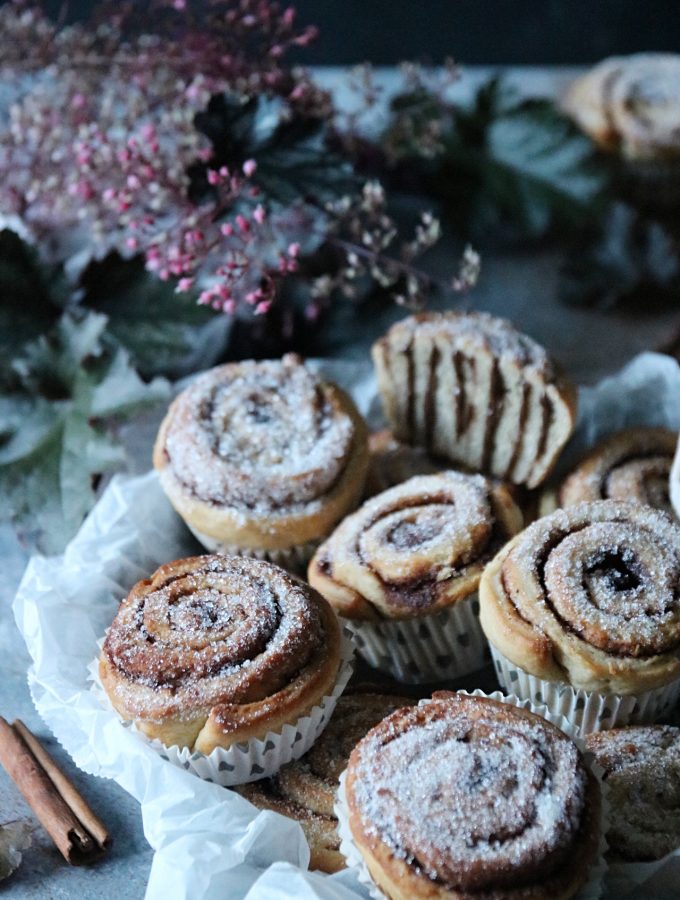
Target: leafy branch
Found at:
x=61, y=397
x=516, y=167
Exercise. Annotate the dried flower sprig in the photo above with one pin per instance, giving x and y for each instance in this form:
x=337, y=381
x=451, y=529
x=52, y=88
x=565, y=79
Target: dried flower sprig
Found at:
x=106, y=139
x=371, y=248
x=87, y=93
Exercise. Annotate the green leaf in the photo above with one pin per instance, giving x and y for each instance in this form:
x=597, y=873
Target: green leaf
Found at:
x=26, y=424
x=33, y=293
x=56, y=439
x=50, y=365
x=626, y=258
x=296, y=164
x=519, y=168
x=166, y=333
x=537, y=169
x=294, y=160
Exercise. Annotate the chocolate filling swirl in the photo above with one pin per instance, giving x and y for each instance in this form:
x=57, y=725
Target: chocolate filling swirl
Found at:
x=418, y=546
x=606, y=572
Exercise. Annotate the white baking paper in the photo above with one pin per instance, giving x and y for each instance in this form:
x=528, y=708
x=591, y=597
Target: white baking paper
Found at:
x=208, y=841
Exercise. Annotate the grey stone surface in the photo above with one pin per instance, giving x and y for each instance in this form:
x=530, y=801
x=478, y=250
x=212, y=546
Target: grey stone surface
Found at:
x=519, y=286
x=43, y=874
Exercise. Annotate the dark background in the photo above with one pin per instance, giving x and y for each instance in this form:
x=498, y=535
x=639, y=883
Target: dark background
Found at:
x=515, y=32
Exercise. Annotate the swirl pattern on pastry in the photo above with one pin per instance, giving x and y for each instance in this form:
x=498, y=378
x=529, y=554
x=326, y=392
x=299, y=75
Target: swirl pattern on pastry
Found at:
x=631, y=104
x=471, y=389
x=465, y=796
x=416, y=548
x=262, y=454
x=305, y=789
x=631, y=465
x=212, y=650
x=589, y=595
x=642, y=771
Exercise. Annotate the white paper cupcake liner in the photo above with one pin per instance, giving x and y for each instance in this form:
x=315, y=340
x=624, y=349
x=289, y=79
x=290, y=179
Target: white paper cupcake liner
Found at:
x=591, y=890
x=293, y=558
x=448, y=644
x=587, y=710
x=256, y=758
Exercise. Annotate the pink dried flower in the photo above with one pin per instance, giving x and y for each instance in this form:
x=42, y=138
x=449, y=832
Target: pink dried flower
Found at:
x=109, y=140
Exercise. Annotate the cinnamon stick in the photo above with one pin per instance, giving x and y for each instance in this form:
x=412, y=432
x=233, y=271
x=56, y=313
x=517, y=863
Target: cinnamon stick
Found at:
x=66, y=788
x=75, y=829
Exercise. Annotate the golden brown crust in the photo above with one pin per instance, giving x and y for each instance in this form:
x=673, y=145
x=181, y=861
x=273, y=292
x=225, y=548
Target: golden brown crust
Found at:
x=305, y=789
x=212, y=650
x=632, y=465
x=642, y=770
x=470, y=388
x=319, y=830
x=588, y=596
x=464, y=797
x=415, y=549
x=262, y=456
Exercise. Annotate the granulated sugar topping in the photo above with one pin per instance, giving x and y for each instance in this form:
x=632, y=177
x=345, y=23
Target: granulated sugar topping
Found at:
x=259, y=435
x=470, y=794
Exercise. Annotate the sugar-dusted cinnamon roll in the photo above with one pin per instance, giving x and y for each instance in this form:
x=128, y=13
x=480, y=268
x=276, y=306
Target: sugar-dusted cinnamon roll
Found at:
x=213, y=650
x=642, y=771
x=391, y=462
x=472, y=389
x=466, y=797
x=589, y=596
x=305, y=789
x=416, y=548
x=262, y=458
x=631, y=465
x=404, y=571
x=631, y=104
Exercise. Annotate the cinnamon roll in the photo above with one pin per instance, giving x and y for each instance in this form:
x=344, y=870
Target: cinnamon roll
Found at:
x=417, y=551
x=630, y=106
x=473, y=390
x=466, y=797
x=262, y=458
x=305, y=789
x=589, y=596
x=631, y=465
x=642, y=771
x=390, y=462
x=213, y=650
x=416, y=548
